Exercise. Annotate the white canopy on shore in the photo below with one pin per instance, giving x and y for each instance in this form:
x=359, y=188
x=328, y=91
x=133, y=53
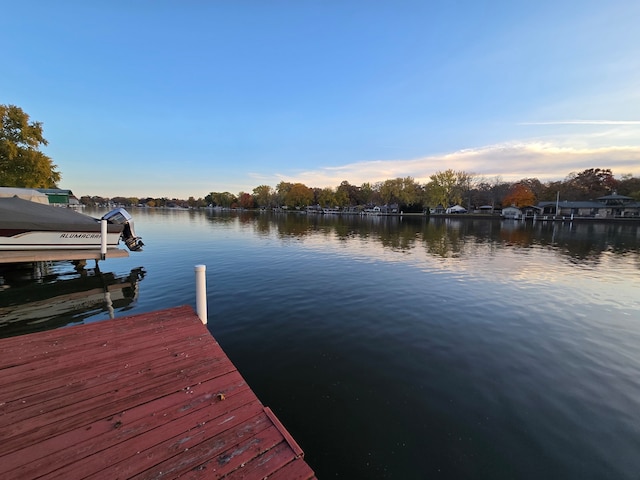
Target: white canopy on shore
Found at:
x=24, y=193
x=456, y=209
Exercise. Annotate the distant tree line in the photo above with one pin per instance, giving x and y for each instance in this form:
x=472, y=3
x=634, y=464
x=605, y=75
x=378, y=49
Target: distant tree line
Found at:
x=444, y=188
x=163, y=202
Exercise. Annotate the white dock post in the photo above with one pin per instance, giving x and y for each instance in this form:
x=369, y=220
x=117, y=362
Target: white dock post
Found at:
x=103, y=239
x=201, y=292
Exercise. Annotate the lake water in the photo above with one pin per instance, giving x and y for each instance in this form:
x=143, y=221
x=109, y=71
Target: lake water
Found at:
x=402, y=348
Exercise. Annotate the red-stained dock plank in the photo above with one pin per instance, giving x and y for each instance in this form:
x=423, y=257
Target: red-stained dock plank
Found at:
x=146, y=396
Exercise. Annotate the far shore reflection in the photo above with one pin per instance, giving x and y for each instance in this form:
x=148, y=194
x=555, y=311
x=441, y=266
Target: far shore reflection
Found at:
x=450, y=237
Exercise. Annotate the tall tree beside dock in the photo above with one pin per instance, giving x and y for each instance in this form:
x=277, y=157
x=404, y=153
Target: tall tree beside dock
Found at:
x=22, y=164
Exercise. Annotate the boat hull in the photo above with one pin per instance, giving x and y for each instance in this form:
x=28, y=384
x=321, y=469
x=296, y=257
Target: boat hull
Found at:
x=61, y=240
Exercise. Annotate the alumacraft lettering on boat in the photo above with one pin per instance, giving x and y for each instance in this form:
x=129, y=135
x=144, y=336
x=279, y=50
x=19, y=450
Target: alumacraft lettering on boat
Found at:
x=79, y=235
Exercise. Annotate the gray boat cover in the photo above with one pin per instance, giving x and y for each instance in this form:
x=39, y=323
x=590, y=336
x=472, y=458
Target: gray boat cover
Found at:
x=23, y=215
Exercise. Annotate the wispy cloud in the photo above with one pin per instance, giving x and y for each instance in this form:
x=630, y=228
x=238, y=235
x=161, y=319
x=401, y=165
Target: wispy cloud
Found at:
x=585, y=122
x=510, y=161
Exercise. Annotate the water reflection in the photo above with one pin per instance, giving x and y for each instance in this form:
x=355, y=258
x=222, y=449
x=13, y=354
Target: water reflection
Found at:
x=43, y=296
x=449, y=238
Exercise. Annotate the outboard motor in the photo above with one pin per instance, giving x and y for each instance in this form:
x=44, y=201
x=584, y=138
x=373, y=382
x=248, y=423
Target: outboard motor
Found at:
x=120, y=216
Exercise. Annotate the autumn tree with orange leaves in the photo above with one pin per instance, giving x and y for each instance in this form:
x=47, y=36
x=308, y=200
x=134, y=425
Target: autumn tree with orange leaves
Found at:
x=246, y=200
x=519, y=195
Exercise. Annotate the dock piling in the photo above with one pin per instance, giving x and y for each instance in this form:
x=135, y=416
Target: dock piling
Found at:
x=103, y=239
x=201, y=292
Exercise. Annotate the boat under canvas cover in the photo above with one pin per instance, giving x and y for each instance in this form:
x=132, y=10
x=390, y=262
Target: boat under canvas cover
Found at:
x=29, y=225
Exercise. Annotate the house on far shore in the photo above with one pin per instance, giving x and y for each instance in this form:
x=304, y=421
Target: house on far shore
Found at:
x=512, y=213
x=60, y=197
x=515, y=213
x=487, y=209
x=609, y=206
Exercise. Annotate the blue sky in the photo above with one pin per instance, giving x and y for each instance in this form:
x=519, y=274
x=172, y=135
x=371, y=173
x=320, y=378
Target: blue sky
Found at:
x=178, y=99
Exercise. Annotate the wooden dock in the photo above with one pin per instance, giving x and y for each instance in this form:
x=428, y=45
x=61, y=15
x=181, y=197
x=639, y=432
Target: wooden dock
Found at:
x=31, y=256
x=146, y=396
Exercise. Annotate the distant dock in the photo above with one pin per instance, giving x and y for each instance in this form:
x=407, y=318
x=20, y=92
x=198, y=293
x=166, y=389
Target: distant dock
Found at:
x=30, y=256
x=145, y=396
